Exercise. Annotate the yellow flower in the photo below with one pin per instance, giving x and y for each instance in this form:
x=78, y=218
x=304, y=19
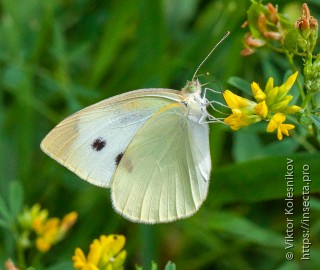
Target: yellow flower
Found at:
x=291, y=109
x=239, y=119
x=105, y=253
x=52, y=230
x=243, y=111
x=286, y=86
x=236, y=102
x=269, y=85
x=28, y=217
x=277, y=97
x=47, y=234
x=258, y=94
x=68, y=221
x=272, y=104
x=262, y=109
x=48, y=230
x=276, y=122
x=80, y=261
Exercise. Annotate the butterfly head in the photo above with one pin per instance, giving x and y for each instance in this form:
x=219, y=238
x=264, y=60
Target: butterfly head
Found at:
x=192, y=87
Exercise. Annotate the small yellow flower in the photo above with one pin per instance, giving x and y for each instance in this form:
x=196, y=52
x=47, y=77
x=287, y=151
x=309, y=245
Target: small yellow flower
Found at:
x=291, y=109
x=48, y=235
x=28, y=217
x=47, y=231
x=272, y=104
x=105, y=253
x=278, y=98
x=286, y=86
x=258, y=94
x=261, y=109
x=276, y=123
x=236, y=102
x=243, y=111
x=80, y=260
x=68, y=221
x=269, y=85
x=239, y=119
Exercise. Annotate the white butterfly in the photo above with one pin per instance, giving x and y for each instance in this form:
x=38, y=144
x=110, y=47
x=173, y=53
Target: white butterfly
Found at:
x=150, y=146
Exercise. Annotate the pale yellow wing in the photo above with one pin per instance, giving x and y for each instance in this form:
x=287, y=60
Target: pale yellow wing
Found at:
x=92, y=141
x=164, y=173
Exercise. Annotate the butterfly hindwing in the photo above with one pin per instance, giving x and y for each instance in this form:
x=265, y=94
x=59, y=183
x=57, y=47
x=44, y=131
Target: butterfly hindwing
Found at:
x=160, y=177
x=92, y=141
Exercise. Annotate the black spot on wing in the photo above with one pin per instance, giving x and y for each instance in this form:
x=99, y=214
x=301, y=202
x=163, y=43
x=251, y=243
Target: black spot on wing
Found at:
x=98, y=144
x=127, y=164
x=118, y=158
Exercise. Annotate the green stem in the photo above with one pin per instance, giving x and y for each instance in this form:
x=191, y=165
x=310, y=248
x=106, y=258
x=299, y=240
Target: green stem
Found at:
x=302, y=141
x=21, y=259
x=284, y=51
x=306, y=100
x=294, y=69
x=36, y=262
x=315, y=129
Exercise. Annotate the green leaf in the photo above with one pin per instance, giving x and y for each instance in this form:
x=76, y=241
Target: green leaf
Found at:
x=316, y=120
x=59, y=266
x=241, y=84
x=263, y=179
x=154, y=266
x=170, y=266
x=290, y=42
x=179, y=12
x=316, y=110
x=247, y=139
x=112, y=36
x=244, y=143
x=289, y=265
x=4, y=223
x=15, y=198
x=245, y=229
x=315, y=204
x=4, y=211
x=253, y=15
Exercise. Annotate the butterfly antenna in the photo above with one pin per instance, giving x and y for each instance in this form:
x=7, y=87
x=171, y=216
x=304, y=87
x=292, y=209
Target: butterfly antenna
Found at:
x=205, y=59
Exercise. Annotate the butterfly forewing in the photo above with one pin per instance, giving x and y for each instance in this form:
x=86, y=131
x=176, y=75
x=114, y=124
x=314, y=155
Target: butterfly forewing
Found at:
x=92, y=141
x=159, y=178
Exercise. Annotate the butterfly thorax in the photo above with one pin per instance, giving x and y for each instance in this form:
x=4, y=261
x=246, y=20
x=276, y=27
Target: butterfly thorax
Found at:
x=195, y=104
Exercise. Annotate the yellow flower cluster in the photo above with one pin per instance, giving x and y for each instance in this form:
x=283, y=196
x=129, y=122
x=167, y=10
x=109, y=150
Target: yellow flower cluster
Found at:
x=271, y=105
x=105, y=254
x=48, y=230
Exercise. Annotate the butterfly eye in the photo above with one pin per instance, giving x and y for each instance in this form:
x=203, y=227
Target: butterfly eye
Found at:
x=98, y=144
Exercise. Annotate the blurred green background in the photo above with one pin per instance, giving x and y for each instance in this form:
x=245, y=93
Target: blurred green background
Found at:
x=57, y=57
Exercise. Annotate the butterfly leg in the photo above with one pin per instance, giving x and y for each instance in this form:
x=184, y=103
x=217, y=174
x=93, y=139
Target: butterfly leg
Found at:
x=211, y=119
